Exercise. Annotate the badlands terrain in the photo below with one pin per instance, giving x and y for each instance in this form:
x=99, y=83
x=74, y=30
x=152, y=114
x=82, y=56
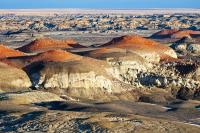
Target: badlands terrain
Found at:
x=71, y=80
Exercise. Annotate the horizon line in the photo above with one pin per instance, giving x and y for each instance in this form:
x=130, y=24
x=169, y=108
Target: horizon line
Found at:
x=97, y=8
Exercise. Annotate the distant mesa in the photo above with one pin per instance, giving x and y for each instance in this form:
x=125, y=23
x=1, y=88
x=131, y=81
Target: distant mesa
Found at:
x=45, y=44
x=147, y=48
x=175, y=34
x=6, y=52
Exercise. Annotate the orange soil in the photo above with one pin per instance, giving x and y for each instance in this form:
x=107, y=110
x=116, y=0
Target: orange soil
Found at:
x=54, y=55
x=48, y=56
x=132, y=41
x=137, y=43
x=45, y=44
x=184, y=33
x=7, y=52
x=167, y=58
x=177, y=34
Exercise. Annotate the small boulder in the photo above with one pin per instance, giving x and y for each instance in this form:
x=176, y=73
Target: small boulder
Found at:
x=194, y=48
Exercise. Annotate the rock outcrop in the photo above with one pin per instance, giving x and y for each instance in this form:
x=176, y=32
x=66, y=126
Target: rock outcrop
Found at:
x=181, y=45
x=13, y=79
x=194, y=48
x=114, y=70
x=132, y=69
x=174, y=77
x=86, y=77
x=124, y=64
x=187, y=45
x=83, y=76
x=45, y=44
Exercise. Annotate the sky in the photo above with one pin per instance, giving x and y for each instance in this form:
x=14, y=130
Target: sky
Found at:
x=129, y=4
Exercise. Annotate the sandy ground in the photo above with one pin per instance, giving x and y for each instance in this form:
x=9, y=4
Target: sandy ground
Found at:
x=117, y=116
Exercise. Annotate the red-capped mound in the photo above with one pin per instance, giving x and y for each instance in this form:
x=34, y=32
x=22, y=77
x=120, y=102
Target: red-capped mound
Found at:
x=164, y=33
x=45, y=44
x=48, y=56
x=7, y=52
x=141, y=46
x=132, y=41
x=184, y=33
x=54, y=55
x=175, y=34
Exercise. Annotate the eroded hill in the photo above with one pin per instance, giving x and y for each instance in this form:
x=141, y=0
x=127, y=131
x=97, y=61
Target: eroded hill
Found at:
x=143, y=84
